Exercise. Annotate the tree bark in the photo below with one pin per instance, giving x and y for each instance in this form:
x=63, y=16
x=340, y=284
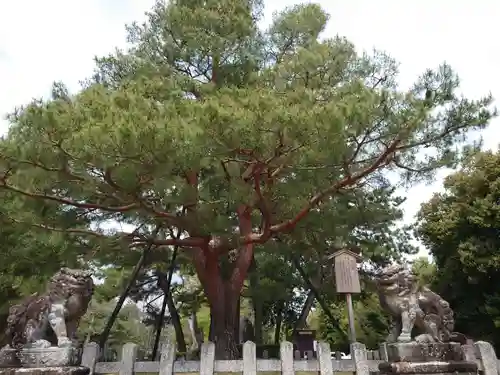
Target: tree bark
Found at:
x=279, y=320
x=196, y=336
x=211, y=332
x=223, y=294
x=223, y=297
x=3, y=326
x=224, y=310
x=256, y=303
x=237, y=314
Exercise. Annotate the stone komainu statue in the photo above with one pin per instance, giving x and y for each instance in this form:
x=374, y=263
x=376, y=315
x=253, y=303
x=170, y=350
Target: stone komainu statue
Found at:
x=52, y=318
x=412, y=305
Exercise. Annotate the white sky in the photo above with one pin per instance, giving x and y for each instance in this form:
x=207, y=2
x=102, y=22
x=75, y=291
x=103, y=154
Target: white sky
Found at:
x=44, y=41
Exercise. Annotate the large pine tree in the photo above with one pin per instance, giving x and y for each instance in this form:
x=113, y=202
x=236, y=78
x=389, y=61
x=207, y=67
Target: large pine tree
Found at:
x=231, y=135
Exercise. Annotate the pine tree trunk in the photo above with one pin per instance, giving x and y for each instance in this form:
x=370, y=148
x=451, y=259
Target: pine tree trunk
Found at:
x=223, y=298
x=279, y=319
x=223, y=294
x=224, y=322
x=256, y=303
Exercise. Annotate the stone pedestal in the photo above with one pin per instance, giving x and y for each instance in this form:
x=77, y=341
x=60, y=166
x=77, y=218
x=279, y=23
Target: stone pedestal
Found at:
x=426, y=359
x=39, y=357
x=41, y=361
x=63, y=370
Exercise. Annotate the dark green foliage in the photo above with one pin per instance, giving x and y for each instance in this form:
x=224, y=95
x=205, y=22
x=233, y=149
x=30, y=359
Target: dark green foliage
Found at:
x=461, y=229
x=371, y=323
x=308, y=114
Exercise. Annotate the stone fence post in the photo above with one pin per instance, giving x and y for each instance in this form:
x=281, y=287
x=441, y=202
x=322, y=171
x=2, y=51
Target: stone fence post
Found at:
x=90, y=355
x=486, y=353
x=358, y=354
x=129, y=355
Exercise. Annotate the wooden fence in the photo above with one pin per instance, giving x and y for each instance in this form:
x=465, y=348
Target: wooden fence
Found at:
x=362, y=362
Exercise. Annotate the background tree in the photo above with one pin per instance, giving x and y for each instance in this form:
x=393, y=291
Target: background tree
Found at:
x=128, y=327
x=371, y=323
x=461, y=228
x=232, y=135
x=425, y=271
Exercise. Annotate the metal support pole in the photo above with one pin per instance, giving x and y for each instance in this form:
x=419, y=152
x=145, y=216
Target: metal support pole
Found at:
x=135, y=273
x=166, y=295
x=350, y=313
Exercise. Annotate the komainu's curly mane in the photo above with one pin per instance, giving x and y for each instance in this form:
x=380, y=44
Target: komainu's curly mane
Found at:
x=400, y=292
x=30, y=312
x=19, y=316
x=68, y=282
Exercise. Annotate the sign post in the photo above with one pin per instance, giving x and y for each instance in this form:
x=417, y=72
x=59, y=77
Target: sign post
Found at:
x=347, y=281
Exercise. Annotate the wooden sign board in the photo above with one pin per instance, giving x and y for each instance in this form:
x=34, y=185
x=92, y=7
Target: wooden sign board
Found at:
x=346, y=272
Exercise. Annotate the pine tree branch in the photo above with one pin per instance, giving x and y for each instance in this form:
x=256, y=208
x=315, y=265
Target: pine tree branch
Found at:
x=60, y=230
x=69, y=202
x=346, y=181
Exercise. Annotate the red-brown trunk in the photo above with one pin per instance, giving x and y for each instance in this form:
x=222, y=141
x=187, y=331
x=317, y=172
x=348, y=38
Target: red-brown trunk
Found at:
x=224, y=313
x=223, y=294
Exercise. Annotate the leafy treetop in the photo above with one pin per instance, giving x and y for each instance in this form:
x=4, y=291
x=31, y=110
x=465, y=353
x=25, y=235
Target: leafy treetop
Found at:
x=204, y=121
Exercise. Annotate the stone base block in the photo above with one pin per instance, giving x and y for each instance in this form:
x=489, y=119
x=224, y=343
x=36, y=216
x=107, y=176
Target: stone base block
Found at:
x=420, y=352
x=428, y=368
x=8, y=358
x=64, y=370
x=39, y=357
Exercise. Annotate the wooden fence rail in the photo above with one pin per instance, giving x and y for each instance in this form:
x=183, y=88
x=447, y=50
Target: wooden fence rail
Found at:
x=362, y=362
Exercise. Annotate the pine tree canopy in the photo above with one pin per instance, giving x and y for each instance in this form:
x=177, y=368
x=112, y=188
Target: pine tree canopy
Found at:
x=207, y=120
